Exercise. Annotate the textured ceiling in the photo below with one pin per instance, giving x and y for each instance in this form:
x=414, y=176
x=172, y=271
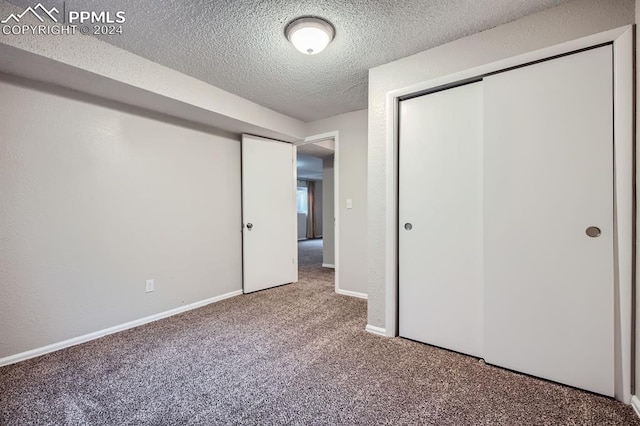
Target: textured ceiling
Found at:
x=240, y=46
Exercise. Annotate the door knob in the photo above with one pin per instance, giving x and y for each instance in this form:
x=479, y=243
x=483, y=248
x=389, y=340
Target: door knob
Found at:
x=593, y=231
x=249, y=226
x=408, y=226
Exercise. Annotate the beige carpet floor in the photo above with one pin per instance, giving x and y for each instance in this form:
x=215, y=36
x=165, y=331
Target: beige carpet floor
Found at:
x=295, y=355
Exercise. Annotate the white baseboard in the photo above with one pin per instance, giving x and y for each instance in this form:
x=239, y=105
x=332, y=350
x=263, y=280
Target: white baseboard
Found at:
x=635, y=403
x=328, y=265
x=352, y=294
x=12, y=359
x=376, y=330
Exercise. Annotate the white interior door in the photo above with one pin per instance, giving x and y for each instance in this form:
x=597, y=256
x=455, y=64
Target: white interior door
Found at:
x=268, y=213
x=548, y=177
x=440, y=199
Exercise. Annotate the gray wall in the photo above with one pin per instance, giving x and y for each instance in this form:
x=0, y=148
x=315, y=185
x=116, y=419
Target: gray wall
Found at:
x=566, y=22
x=328, y=236
x=95, y=200
x=352, y=171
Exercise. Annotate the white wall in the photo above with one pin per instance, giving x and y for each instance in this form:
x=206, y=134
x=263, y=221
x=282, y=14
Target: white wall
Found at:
x=328, y=236
x=96, y=198
x=352, y=170
x=553, y=26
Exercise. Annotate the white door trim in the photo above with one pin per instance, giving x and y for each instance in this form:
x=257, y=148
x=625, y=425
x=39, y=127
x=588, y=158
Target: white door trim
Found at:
x=336, y=195
x=622, y=40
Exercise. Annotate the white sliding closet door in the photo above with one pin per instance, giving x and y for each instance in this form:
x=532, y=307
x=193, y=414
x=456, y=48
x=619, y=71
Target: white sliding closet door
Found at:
x=440, y=199
x=548, y=178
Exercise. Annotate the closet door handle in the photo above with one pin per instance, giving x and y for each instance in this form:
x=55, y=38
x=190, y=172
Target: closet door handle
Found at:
x=408, y=226
x=593, y=231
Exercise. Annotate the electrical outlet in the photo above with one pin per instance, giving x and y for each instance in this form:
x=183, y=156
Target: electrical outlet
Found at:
x=150, y=286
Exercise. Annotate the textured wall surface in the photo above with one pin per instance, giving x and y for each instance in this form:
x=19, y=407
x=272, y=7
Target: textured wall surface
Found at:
x=352, y=174
x=240, y=46
x=95, y=200
x=565, y=22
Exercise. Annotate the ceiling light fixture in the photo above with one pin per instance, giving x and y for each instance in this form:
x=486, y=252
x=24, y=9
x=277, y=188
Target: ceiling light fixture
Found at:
x=310, y=35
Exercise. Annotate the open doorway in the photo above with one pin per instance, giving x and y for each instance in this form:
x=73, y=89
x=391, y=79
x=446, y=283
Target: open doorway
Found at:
x=316, y=193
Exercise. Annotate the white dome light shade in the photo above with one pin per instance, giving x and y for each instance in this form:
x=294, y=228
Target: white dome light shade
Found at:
x=310, y=35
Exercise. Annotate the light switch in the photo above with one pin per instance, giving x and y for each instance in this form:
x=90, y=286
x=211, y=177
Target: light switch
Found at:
x=349, y=203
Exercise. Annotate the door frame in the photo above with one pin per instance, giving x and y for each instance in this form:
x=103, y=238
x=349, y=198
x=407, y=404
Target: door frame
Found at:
x=622, y=40
x=336, y=191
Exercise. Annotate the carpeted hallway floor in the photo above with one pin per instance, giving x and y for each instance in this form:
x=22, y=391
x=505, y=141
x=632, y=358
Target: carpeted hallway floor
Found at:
x=296, y=354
